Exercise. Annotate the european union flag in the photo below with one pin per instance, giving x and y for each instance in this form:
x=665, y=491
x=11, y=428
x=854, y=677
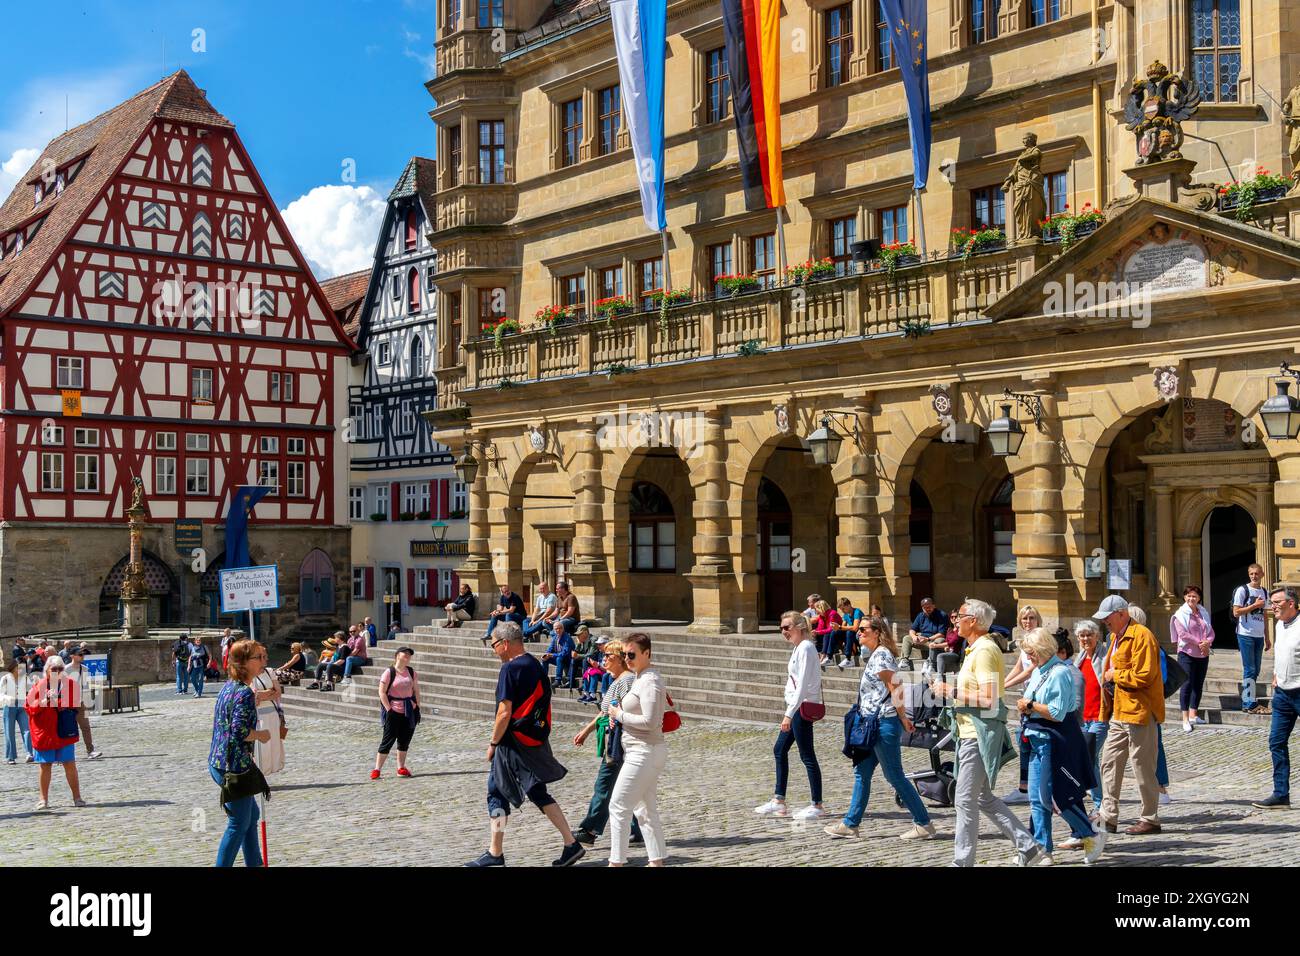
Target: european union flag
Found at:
x=241, y=504
x=907, y=22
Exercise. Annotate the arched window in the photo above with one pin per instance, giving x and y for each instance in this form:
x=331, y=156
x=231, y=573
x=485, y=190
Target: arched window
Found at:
x=413, y=291
x=653, y=542
x=417, y=357
x=1000, y=526
x=412, y=230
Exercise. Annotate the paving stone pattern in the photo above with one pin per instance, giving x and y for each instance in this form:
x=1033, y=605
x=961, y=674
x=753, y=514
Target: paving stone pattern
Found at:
x=153, y=803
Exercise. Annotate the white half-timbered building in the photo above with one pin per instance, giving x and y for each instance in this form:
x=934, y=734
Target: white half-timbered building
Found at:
x=401, y=482
x=158, y=321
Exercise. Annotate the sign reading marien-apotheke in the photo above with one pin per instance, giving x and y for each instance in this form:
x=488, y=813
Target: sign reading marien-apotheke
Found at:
x=439, y=549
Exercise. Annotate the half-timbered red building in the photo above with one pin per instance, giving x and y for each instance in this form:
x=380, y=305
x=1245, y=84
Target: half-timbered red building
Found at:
x=157, y=320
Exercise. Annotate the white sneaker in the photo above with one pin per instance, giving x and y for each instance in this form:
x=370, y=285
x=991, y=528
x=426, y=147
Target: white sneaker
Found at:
x=1165, y=799
x=42, y=804
x=11, y=762
x=1093, y=845
x=839, y=831
x=810, y=812
x=1187, y=726
x=94, y=755
x=773, y=808
x=1016, y=796
x=1044, y=859
x=918, y=832
x=346, y=681
x=1074, y=843
x=843, y=664
x=30, y=759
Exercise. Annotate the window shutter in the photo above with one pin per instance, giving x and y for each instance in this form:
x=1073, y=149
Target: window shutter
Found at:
x=432, y=587
x=410, y=584
x=444, y=498
x=455, y=586
x=395, y=501
x=368, y=591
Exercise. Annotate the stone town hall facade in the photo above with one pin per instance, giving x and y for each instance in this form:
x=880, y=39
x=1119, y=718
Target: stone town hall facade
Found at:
x=159, y=323
x=659, y=459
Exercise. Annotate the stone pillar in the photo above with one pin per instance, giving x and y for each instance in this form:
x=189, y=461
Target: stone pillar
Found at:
x=1286, y=497
x=861, y=573
x=1264, y=529
x=590, y=571
x=715, y=587
x=1042, y=565
x=135, y=591
x=1164, y=548
x=477, y=571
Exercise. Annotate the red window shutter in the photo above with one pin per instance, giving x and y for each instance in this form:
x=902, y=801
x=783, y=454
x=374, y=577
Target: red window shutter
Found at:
x=410, y=584
x=444, y=498
x=412, y=230
x=431, y=584
x=455, y=586
x=394, y=501
x=368, y=591
x=413, y=290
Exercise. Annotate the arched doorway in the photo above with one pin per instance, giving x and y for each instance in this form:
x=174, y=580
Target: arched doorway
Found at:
x=316, y=584
x=1227, y=550
x=775, y=539
x=920, y=529
x=162, y=592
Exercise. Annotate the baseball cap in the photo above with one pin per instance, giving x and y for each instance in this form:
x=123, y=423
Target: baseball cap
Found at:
x=1110, y=605
x=602, y=640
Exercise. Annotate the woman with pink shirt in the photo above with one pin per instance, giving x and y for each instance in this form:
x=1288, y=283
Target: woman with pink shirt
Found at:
x=1193, y=635
x=826, y=626
x=399, y=697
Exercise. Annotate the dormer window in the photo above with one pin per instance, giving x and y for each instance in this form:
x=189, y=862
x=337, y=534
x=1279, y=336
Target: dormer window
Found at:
x=38, y=192
x=58, y=184
x=412, y=230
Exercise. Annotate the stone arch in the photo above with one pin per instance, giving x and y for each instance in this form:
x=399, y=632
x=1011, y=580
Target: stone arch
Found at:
x=1197, y=509
x=653, y=593
x=538, y=511
x=163, y=593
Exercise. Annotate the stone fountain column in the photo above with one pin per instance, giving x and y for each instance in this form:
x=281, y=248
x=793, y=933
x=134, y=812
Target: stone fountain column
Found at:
x=135, y=591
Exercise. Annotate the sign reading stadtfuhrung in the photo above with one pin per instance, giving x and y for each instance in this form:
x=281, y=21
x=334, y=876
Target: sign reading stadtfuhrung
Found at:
x=249, y=589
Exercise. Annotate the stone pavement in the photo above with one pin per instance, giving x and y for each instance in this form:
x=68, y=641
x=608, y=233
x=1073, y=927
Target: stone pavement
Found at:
x=153, y=803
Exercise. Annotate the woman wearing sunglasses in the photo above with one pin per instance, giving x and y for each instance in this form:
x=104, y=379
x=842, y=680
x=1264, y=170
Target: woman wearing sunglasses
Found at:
x=51, y=709
x=645, y=755
x=803, y=686
x=881, y=695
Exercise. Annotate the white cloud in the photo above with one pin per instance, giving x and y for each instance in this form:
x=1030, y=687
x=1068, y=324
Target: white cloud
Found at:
x=426, y=57
x=336, y=227
x=13, y=168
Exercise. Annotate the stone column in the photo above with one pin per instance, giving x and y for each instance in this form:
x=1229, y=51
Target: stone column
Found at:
x=1042, y=565
x=590, y=570
x=135, y=591
x=861, y=573
x=476, y=570
x=714, y=585
x=1286, y=497
x=1165, y=548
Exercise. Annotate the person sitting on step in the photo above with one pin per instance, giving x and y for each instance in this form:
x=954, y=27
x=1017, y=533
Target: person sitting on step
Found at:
x=560, y=653
x=327, y=670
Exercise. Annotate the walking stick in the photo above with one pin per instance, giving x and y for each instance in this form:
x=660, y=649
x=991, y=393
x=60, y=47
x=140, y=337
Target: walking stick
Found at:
x=266, y=861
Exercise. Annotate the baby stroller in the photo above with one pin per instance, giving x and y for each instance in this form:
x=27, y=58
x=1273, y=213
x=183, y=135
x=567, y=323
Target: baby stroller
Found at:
x=938, y=784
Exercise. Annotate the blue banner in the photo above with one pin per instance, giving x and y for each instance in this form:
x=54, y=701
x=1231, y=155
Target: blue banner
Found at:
x=241, y=506
x=907, y=22
x=640, y=33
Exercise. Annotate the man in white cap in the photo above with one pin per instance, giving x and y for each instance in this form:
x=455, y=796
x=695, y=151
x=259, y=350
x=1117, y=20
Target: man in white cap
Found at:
x=1133, y=701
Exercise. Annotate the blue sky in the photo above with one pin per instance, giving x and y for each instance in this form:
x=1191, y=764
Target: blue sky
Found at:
x=309, y=85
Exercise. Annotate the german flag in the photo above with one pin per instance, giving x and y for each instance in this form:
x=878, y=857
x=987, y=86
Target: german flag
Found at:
x=753, y=29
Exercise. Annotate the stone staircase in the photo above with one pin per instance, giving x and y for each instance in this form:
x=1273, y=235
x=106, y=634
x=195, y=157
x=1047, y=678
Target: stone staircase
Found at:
x=735, y=678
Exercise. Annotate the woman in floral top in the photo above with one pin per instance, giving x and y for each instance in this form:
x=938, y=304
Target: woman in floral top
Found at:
x=234, y=731
x=881, y=695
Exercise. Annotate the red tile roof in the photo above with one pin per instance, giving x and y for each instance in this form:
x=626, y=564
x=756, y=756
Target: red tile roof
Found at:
x=108, y=139
x=345, y=294
x=565, y=13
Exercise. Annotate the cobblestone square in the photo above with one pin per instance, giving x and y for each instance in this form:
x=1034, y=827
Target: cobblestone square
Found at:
x=153, y=803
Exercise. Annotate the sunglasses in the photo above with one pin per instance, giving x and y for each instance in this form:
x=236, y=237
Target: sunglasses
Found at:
x=629, y=655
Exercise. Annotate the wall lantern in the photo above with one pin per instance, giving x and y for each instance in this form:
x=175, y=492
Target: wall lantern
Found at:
x=1281, y=413
x=439, y=531
x=825, y=442
x=467, y=465
x=1005, y=433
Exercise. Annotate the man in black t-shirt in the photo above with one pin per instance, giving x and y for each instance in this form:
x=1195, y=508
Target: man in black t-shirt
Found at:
x=509, y=608
x=520, y=754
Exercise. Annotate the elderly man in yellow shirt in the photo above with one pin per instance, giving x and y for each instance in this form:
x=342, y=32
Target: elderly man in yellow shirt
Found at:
x=1133, y=701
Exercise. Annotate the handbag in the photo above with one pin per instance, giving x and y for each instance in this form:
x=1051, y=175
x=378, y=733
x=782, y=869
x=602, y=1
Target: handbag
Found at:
x=1175, y=675
x=614, y=743
x=672, y=719
x=250, y=783
x=812, y=712
x=861, y=732
x=65, y=717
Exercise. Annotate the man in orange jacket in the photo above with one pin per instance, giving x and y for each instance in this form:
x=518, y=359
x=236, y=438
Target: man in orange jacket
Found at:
x=1133, y=700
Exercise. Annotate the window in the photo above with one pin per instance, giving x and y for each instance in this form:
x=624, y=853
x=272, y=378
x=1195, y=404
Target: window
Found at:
x=892, y=223
x=85, y=437
x=356, y=503
x=87, y=473
x=491, y=13
x=611, y=282
x=413, y=292
x=452, y=23
x=570, y=132
x=844, y=232
x=453, y=155
x=164, y=476
x=201, y=384
x=269, y=445
x=38, y=193
x=288, y=379
x=453, y=319
x=384, y=353
x=430, y=282
x=423, y=499
x=983, y=20
x=397, y=287
x=491, y=305
x=611, y=117
x=762, y=256
x=1001, y=523
x=1043, y=11
x=573, y=292
x=1216, y=48
x=492, y=151
x=988, y=208
x=719, y=264
x=884, y=40
x=417, y=357
x=51, y=471
x=839, y=43
x=407, y=419
x=650, y=274
x=164, y=441
x=359, y=584
x=421, y=584
x=444, y=577
x=717, y=93
x=381, y=500
x=653, y=530
x=412, y=230
x=268, y=474
x=297, y=446
x=275, y=386
x=459, y=496
x=1054, y=190
x=297, y=474
x=196, y=476
x=69, y=371
x=198, y=443
x=51, y=434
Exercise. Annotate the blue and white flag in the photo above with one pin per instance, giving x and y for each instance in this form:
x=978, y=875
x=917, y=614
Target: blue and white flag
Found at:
x=640, y=28
x=906, y=20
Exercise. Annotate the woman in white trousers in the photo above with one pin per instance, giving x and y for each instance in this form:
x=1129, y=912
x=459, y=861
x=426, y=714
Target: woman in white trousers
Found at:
x=642, y=715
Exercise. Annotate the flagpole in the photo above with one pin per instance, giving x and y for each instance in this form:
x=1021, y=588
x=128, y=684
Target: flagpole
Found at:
x=920, y=221
x=668, y=276
x=782, y=259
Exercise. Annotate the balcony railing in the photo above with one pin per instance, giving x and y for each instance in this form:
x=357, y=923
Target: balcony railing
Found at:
x=468, y=50
x=939, y=293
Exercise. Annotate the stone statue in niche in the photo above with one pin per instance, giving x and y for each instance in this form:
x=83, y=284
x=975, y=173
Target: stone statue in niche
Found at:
x=1291, y=121
x=1024, y=186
